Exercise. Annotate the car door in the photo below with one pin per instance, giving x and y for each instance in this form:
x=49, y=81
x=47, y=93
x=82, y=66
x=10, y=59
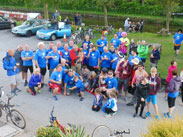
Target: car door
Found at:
x=36, y=26
x=3, y=23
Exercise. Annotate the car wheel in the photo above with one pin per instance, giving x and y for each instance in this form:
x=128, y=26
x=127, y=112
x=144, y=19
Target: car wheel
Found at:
x=28, y=33
x=53, y=37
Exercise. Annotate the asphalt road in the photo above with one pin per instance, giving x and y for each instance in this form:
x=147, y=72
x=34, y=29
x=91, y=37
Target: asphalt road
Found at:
x=36, y=109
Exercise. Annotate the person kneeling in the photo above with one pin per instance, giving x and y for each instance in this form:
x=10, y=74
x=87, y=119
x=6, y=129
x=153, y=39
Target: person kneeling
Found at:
x=35, y=81
x=110, y=107
x=97, y=102
x=80, y=87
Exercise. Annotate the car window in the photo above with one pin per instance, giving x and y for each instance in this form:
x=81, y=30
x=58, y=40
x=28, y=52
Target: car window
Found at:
x=52, y=26
x=1, y=19
x=28, y=23
x=37, y=23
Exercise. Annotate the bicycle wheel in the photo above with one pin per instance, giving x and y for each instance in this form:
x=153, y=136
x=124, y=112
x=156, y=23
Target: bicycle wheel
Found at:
x=17, y=119
x=102, y=131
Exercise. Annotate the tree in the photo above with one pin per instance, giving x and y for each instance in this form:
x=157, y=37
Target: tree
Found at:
x=106, y=4
x=168, y=7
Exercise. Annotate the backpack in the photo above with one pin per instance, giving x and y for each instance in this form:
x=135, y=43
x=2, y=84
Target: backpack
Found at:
x=6, y=57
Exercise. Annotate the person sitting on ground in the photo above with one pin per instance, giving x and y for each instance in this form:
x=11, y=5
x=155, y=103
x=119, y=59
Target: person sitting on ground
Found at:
x=155, y=84
x=143, y=51
x=116, y=42
x=93, y=81
x=124, y=43
x=97, y=102
x=101, y=43
x=132, y=46
x=56, y=81
x=173, y=92
x=35, y=81
x=110, y=107
x=137, y=27
x=106, y=59
x=142, y=93
x=79, y=87
x=154, y=58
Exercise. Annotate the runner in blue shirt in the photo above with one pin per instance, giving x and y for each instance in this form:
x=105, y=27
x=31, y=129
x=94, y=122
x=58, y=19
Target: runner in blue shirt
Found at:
x=93, y=59
x=106, y=58
x=56, y=81
x=40, y=60
x=114, y=60
x=116, y=42
x=177, y=40
x=111, y=81
x=27, y=56
x=133, y=56
x=59, y=47
x=48, y=51
x=65, y=54
x=69, y=81
x=55, y=59
x=101, y=43
x=79, y=87
x=87, y=41
x=119, y=33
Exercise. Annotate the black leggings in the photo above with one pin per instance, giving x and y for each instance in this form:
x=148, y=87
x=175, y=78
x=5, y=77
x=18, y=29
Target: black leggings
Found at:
x=142, y=103
x=171, y=102
x=96, y=109
x=109, y=110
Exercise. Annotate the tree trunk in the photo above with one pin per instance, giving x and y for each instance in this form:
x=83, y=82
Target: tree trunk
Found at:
x=46, y=11
x=105, y=15
x=168, y=15
x=142, y=2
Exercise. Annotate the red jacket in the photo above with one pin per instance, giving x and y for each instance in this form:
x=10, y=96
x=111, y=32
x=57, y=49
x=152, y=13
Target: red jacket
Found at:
x=74, y=57
x=121, y=69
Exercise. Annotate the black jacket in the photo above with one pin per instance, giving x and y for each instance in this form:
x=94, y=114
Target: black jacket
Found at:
x=142, y=91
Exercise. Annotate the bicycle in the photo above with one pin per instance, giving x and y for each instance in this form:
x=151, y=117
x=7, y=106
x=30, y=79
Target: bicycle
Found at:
x=78, y=36
x=105, y=131
x=15, y=116
x=53, y=122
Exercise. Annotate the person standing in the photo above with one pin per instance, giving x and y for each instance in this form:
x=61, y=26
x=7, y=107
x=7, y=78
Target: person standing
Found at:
x=93, y=59
x=40, y=60
x=27, y=57
x=181, y=76
x=65, y=55
x=76, y=19
x=116, y=42
x=173, y=92
x=106, y=59
x=154, y=58
x=177, y=41
x=119, y=33
x=124, y=43
x=172, y=67
x=80, y=19
x=19, y=60
x=10, y=65
x=141, y=25
x=87, y=41
x=101, y=43
x=55, y=58
x=143, y=51
x=126, y=25
x=133, y=56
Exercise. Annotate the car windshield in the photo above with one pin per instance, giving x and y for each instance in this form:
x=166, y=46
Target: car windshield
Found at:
x=52, y=26
x=28, y=23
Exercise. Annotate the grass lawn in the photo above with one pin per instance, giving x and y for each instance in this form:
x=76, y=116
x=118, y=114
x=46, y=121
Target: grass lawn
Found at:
x=167, y=54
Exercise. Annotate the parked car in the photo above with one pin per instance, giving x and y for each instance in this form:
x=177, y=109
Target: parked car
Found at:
x=6, y=23
x=54, y=31
x=30, y=27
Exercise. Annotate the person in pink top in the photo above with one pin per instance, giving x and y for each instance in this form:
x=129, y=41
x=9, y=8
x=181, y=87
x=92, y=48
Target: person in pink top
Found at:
x=172, y=67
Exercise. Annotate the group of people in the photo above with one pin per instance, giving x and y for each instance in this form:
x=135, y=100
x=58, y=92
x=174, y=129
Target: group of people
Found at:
x=78, y=19
x=102, y=70
x=132, y=26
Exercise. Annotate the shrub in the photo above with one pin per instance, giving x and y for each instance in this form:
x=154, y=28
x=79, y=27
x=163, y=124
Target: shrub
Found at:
x=166, y=128
x=56, y=132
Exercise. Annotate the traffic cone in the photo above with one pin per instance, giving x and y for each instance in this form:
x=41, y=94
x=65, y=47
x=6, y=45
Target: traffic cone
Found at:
x=65, y=39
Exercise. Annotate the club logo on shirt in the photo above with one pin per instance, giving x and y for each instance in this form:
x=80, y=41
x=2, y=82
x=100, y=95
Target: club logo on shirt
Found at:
x=66, y=53
x=109, y=82
x=27, y=53
x=105, y=56
x=92, y=54
x=59, y=75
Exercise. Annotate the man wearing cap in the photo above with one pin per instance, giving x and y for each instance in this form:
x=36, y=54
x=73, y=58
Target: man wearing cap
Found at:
x=133, y=56
x=101, y=43
x=93, y=59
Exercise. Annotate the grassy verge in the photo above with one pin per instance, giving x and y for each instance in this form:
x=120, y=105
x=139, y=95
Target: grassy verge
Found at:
x=148, y=18
x=167, y=54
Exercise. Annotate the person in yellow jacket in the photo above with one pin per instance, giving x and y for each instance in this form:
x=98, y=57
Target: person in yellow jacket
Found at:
x=142, y=51
x=125, y=42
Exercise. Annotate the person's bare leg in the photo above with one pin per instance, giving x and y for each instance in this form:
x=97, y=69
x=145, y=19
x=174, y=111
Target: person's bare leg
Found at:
x=156, y=109
x=25, y=76
x=166, y=95
x=171, y=111
x=12, y=87
x=82, y=94
x=148, y=107
x=126, y=93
